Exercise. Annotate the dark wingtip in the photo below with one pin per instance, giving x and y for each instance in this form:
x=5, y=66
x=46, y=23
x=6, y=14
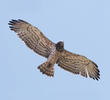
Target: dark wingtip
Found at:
x=12, y=23
x=98, y=72
x=98, y=76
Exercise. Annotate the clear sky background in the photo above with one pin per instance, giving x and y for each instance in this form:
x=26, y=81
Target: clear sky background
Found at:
x=83, y=25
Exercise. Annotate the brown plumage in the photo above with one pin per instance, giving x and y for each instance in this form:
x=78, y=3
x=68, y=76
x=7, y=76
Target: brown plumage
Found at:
x=55, y=53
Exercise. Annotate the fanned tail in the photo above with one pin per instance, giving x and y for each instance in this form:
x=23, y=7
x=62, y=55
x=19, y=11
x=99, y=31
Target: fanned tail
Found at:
x=47, y=68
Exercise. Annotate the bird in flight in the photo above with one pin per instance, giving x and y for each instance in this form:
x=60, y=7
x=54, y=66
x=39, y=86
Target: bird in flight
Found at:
x=54, y=52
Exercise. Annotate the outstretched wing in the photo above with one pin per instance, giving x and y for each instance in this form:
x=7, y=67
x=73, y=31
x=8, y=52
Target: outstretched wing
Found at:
x=32, y=37
x=78, y=64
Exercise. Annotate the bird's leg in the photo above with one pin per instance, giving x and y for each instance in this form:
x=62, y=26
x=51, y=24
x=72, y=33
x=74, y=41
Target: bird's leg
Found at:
x=48, y=66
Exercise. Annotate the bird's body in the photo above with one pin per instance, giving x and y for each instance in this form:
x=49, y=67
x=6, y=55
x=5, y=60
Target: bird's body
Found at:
x=55, y=53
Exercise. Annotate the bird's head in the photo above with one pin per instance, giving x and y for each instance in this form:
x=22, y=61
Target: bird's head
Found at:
x=60, y=46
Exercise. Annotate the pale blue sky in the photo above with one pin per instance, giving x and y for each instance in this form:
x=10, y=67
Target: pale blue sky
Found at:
x=83, y=25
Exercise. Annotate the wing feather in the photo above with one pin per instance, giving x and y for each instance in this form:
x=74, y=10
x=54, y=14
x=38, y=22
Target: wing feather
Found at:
x=78, y=64
x=32, y=37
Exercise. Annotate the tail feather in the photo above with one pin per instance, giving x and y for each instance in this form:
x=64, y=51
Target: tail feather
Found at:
x=47, y=68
